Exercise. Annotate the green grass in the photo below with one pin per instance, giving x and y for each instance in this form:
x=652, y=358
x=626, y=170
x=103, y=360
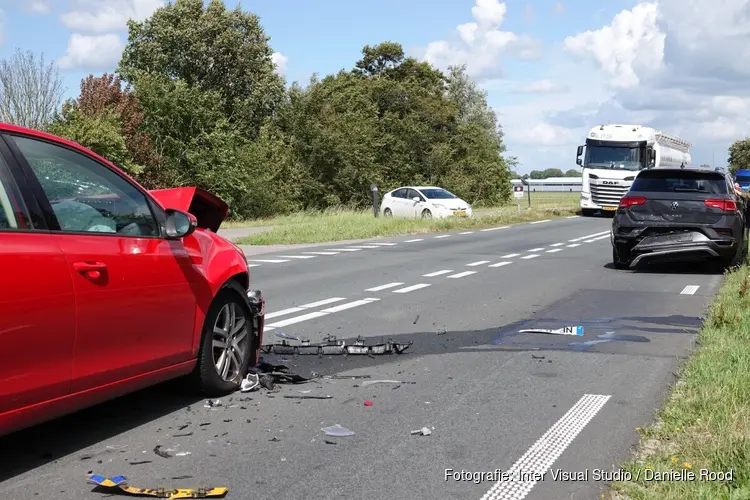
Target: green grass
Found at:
x=705, y=423
x=339, y=225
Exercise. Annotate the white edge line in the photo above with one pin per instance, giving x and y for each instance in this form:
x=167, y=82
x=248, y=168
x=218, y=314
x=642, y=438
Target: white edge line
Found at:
x=297, y=256
x=467, y=232
x=269, y=261
x=323, y=253
x=546, y=450
x=414, y=240
x=540, y=221
x=494, y=228
x=443, y=236
x=345, y=250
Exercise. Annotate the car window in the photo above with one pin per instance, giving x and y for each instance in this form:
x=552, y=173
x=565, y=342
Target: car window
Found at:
x=438, y=194
x=412, y=194
x=399, y=193
x=85, y=195
x=13, y=214
x=699, y=182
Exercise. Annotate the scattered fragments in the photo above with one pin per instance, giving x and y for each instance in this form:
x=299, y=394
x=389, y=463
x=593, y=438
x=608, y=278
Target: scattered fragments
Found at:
x=183, y=427
x=331, y=345
x=337, y=431
x=140, y=463
x=250, y=382
x=416, y=319
x=537, y=357
x=186, y=434
x=274, y=439
x=309, y=397
x=183, y=453
x=346, y=377
x=371, y=382
x=567, y=330
x=287, y=336
x=121, y=483
x=329, y=442
x=204, y=424
x=424, y=431
x=368, y=403
x=211, y=403
x=160, y=452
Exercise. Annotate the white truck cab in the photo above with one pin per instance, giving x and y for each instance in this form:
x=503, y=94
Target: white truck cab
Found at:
x=614, y=154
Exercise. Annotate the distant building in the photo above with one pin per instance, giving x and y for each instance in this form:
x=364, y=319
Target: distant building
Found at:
x=571, y=184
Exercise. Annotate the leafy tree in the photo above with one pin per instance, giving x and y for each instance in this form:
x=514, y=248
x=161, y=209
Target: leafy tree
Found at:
x=573, y=173
x=739, y=155
x=30, y=90
x=217, y=50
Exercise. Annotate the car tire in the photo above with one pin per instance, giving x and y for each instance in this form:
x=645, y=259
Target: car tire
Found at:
x=426, y=214
x=587, y=212
x=739, y=258
x=387, y=213
x=210, y=382
x=617, y=262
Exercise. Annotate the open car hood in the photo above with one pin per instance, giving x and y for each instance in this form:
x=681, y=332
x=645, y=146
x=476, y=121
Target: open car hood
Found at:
x=207, y=208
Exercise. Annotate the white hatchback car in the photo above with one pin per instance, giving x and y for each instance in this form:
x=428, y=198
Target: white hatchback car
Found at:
x=425, y=202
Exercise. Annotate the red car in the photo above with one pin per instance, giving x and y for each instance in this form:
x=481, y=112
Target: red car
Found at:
x=106, y=288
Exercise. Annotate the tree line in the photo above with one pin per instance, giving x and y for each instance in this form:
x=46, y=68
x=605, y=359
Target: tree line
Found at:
x=197, y=100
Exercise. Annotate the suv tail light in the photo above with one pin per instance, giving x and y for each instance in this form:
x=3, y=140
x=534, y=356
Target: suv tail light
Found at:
x=725, y=205
x=629, y=201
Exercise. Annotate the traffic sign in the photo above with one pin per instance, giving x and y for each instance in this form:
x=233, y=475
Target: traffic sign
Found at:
x=518, y=191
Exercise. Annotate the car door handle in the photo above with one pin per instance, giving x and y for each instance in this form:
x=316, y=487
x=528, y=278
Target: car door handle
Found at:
x=87, y=267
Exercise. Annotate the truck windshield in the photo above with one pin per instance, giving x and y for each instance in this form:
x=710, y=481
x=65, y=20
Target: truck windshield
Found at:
x=620, y=158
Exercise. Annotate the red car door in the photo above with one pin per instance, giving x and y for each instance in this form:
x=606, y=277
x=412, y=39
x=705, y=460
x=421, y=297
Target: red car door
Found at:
x=37, y=308
x=133, y=288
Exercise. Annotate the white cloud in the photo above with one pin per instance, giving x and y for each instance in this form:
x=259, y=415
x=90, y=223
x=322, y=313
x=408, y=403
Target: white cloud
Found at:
x=559, y=9
x=542, y=87
x=98, y=52
x=280, y=61
x=481, y=44
x=104, y=16
x=38, y=6
x=628, y=49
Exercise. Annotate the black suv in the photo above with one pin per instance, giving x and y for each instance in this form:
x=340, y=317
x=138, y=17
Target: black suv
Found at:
x=679, y=214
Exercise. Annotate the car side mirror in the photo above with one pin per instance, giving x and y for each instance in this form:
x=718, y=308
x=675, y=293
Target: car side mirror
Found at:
x=417, y=198
x=180, y=224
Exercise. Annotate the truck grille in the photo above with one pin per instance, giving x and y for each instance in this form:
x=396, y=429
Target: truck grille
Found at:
x=607, y=195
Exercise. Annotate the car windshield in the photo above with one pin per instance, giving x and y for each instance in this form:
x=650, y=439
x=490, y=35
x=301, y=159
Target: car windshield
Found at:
x=621, y=158
x=682, y=182
x=437, y=194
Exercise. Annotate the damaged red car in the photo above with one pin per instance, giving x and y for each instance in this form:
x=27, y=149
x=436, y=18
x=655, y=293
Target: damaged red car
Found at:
x=107, y=288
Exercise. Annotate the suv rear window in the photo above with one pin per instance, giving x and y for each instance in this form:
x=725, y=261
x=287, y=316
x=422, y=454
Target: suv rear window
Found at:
x=682, y=181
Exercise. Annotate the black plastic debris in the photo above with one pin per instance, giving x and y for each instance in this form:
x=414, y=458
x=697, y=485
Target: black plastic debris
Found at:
x=332, y=346
x=185, y=434
x=160, y=452
x=142, y=462
x=308, y=397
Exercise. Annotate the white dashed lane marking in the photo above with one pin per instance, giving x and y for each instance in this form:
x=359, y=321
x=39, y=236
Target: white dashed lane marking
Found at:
x=588, y=236
x=414, y=240
x=554, y=250
x=364, y=246
x=317, y=314
x=323, y=253
x=346, y=250
x=510, y=255
x=323, y=302
x=597, y=238
x=690, y=290
x=538, y=249
x=412, y=288
x=493, y=228
x=478, y=263
x=385, y=244
x=461, y=275
x=573, y=245
x=532, y=256
x=442, y=236
x=547, y=449
x=297, y=256
x=270, y=261
x=437, y=273
x=297, y=319
x=466, y=232
x=384, y=287
x=501, y=264
x=348, y=305
x=557, y=244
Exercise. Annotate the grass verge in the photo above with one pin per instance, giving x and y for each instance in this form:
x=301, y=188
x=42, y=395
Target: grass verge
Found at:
x=705, y=424
x=342, y=225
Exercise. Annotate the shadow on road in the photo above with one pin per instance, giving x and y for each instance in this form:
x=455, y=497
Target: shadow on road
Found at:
x=696, y=267
x=37, y=446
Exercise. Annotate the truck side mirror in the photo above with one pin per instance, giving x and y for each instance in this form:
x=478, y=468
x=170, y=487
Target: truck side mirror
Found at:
x=579, y=152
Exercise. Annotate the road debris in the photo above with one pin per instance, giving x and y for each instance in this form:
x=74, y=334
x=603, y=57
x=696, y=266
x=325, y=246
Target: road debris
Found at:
x=537, y=357
x=121, y=483
x=211, y=403
x=249, y=383
x=332, y=346
x=368, y=403
x=337, y=431
x=416, y=319
x=160, y=452
x=372, y=382
x=567, y=330
x=186, y=434
x=142, y=462
x=346, y=377
x=424, y=431
x=329, y=442
x=308, y=397
x=274, y=439
x=183, y=453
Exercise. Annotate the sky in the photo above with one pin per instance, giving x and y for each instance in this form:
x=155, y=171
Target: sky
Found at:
x=552, y=69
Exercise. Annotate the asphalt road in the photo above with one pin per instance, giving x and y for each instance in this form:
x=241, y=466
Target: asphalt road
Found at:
x=492, y=397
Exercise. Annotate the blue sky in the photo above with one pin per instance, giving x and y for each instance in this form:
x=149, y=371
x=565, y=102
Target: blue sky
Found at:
x=548, y=80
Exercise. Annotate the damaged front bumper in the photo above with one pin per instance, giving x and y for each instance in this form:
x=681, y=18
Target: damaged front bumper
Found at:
x=257, y=303
x=331, y=345
x=678, y=245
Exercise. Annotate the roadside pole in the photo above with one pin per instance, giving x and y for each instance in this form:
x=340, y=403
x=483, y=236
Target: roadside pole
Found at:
x=374, y=191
